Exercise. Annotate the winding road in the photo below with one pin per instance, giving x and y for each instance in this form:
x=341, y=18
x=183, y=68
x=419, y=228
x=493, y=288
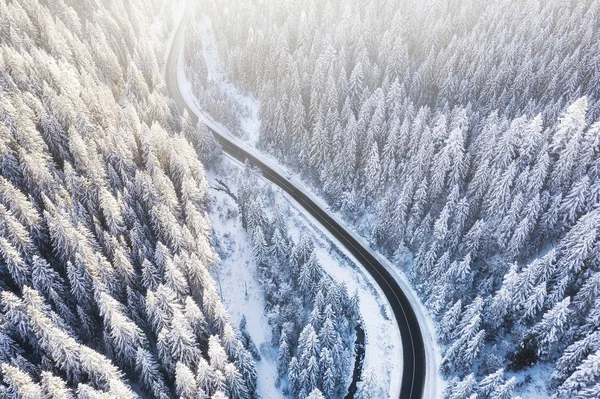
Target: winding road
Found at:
x=413, y=347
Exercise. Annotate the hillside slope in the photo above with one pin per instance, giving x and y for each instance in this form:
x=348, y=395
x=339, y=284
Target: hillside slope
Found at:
x=105, y=241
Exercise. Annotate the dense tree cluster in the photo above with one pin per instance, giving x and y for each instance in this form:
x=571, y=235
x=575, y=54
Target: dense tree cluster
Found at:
x=465, y=131
x=105, y=243
x=312, y=317
x=208, y=93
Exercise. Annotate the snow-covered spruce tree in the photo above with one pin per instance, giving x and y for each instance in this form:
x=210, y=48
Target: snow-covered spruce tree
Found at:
x=312, y=317
x=105, y=246
x=473, y=143
x=368, y=386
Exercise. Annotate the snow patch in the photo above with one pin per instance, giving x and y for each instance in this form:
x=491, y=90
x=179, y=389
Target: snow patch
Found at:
x=239, y=289
x=532, y=383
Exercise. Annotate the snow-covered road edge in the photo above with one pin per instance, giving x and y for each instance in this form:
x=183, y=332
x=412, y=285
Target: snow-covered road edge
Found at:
x=178, y=12
x=434, y=384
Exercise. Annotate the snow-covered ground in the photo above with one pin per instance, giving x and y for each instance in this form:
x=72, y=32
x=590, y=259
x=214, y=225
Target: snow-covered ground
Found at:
x=532, y=383
x=238, y=286
x=383, y=345
x=177, y=15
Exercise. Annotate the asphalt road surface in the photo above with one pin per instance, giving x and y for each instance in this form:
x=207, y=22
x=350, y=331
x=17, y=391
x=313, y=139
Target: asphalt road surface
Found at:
x=413, y=349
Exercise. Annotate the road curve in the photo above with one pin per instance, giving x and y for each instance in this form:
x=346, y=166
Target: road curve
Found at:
x=413, y=348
